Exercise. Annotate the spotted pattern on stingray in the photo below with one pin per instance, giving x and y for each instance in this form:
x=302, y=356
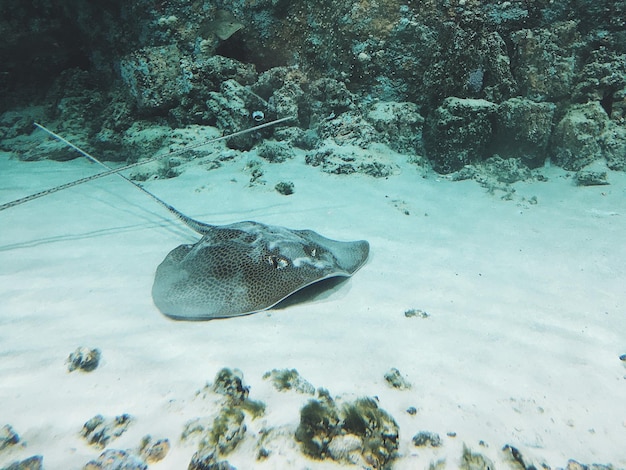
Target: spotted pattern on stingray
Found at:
x=248, y=267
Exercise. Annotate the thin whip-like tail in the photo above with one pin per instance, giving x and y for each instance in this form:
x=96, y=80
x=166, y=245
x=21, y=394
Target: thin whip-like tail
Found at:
x=199, y=227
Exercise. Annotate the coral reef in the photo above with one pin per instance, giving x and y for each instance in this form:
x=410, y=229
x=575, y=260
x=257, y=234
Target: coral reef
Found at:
x=459, y=132
x=522, y=130
x=478, y=79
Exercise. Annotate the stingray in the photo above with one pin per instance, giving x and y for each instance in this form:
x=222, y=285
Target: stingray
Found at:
x=235, y=269
x=248, y=267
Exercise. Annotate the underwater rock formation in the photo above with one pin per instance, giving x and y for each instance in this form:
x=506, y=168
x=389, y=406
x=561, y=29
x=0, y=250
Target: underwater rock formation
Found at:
x=357, y=73
x=590, y=178
x=112, y=459
x=348, y=159
x=208, y=461
x=153, y=452
x=221, y=434
x=289, y=379
x=546, y=61
x=31, y=463
x=396, y=380
x=459, y=132
x=399, y=125
x=99, y=431
x=226, y=432
x=230, y=384
x=614, y=146
x=84, y=359
x=576, y=139
x=347, y=432
x=427, y=439
x=274, y=152
x=522, y=130
x=8, y=437
x=285, y=188
x=358, y=432
x=474, y=461
x=154, y=78
x=416, y=313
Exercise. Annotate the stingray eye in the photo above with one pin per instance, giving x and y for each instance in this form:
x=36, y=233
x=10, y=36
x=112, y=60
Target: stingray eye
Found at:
x=277, y=262
x=310, y=250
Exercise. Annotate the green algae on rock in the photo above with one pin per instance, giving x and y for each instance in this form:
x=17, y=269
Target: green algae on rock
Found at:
x=84, y=359
x=358, y=432
x=289, y=379
x=395, y=380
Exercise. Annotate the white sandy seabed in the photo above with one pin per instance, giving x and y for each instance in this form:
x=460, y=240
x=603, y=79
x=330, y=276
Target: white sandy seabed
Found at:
x=526, y=304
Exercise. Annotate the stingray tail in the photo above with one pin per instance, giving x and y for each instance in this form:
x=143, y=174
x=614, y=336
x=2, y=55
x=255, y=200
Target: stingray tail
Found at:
x=193, y=224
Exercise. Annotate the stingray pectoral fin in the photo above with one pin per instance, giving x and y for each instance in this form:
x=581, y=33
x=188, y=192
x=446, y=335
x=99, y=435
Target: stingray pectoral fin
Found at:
x=248, y=267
